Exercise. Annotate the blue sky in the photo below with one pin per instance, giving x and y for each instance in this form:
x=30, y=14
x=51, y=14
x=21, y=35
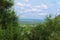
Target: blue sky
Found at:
x=36, y=9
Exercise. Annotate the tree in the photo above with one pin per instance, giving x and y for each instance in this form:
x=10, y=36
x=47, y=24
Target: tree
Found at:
x=5, y=12
x=48, y=30
x=9, y=27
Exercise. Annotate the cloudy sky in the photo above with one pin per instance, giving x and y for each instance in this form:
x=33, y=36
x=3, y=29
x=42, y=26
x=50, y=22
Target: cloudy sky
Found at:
x=36, y=9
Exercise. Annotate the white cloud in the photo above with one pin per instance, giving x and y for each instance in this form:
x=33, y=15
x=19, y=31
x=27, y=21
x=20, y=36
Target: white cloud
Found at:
x=27, y=10
x=34, y=9
x=44, y=6
x=28, y=5
x=26, y=0
x=24, y=5
x=39, y=10
x=58, y=3
x=30, y=8
x=43, y=14
x=20, y=4
x=38, y=6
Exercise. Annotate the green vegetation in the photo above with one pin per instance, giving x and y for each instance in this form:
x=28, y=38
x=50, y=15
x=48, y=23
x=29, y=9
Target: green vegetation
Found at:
x=10, y=29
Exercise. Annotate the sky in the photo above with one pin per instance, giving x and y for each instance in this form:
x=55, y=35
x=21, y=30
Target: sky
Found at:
x=36, y=9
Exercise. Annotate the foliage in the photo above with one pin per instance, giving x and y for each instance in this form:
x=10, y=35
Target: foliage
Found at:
x=10, y=29
x=48, y=30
